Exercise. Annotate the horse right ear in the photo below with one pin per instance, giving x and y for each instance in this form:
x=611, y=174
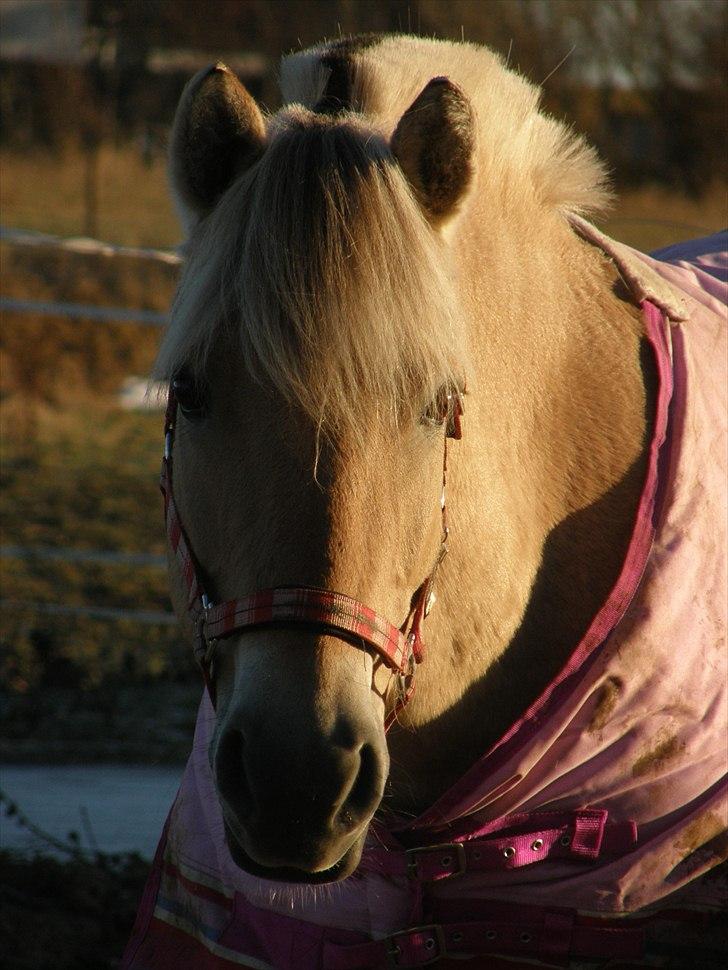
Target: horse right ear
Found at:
x=218, y=133
x=434, y=145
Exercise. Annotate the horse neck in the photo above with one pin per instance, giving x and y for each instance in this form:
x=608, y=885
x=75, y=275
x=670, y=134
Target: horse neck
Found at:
x=544, y=486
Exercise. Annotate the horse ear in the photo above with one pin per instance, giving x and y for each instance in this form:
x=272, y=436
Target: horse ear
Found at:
x=434, y=143
x=218, y=132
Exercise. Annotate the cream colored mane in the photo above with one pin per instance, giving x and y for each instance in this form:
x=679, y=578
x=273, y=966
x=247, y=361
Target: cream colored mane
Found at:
x=320, y=258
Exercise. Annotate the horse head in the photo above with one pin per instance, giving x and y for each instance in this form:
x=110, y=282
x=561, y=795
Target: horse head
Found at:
x=318, y=363
x=353, y=262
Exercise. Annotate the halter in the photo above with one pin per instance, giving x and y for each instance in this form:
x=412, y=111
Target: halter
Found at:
x=401, y=649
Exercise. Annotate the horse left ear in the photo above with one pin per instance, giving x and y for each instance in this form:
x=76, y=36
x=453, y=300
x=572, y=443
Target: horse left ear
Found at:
x=434, y=144
x=218, y=133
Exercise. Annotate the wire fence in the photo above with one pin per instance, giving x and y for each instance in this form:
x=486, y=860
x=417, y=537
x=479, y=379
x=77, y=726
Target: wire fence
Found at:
x=64, y=554
x=83, y=311
x=84, y=245
x=101, y=315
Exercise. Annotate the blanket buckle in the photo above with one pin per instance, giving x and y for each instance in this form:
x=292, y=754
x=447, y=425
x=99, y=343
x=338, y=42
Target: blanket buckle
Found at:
x=451, y=859
x=433, y=944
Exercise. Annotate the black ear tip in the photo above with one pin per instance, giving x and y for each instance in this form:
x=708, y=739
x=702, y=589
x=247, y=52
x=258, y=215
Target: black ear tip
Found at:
x=451, y=93
x=210, y=71
x=434, y=144
x=218, y=132
x=444, y=83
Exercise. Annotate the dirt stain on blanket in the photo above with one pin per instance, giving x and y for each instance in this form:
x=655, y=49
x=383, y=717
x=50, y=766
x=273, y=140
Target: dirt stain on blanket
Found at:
x=703, y=844
x=606, y=702
x=665, y=748
x=699, y=832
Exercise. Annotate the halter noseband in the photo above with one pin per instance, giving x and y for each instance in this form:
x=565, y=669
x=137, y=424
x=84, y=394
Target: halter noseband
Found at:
x=284, y=606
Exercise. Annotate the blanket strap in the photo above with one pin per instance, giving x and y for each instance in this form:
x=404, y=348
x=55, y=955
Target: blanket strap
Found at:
x=583, y=835
x=554, y=936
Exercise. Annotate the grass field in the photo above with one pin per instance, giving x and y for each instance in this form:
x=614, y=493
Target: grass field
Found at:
x=78, y=472
x=43, y=192
x=652, y=217
x=84, y=482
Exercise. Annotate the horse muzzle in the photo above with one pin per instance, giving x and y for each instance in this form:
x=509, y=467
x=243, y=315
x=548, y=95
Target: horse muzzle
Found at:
x=297, y=801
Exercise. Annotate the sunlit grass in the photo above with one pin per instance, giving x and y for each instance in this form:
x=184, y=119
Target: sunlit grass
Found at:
x=84, y=480
x=57, y=360
x=655, y=216
x=84, y=484
x=46, y=192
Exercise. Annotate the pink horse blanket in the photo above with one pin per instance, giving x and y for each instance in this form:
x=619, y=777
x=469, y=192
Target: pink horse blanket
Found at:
x=608, y=798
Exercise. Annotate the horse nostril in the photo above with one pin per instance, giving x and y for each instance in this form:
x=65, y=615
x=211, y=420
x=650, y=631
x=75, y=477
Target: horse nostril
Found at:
x=364, y=793
x=232, y=779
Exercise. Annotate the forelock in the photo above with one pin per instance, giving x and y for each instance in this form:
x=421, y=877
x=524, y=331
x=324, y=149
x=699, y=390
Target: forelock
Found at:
x=321, y=260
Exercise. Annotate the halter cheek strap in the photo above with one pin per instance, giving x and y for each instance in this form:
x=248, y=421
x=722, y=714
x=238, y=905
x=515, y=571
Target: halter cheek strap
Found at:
x=285, y=606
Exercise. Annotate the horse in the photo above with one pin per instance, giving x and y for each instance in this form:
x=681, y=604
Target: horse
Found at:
x=442, y=485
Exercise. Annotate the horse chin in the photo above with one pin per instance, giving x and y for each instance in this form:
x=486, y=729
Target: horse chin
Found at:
x=340, y=870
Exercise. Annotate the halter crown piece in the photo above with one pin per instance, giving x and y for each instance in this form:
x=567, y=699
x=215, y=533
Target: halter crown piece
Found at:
x=401, y=649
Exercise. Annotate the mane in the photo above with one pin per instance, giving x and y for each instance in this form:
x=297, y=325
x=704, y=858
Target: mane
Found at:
x=318, y=256
x=320, y=260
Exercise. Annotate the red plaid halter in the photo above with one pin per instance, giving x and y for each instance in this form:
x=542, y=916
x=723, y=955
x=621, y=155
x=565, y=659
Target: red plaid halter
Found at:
x=322, y=609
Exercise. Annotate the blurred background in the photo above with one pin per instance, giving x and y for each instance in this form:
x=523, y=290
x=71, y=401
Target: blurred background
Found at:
x=98, y=692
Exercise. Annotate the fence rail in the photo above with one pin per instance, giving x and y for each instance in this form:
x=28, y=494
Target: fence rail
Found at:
x=100, y=314
x=64, y=554
x=151, y=617
x=86, y=311
x=85, y=245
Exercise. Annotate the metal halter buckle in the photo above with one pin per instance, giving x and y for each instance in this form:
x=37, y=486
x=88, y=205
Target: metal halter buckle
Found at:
x=207, y=644
x=453, y=851
x=436, y=938
x=404, y=677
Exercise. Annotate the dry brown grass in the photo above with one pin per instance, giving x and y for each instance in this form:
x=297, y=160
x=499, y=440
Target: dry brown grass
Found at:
x=84, y=477
x=57, y=360
x=77, y=471
x=46, y=192
x=655, y=216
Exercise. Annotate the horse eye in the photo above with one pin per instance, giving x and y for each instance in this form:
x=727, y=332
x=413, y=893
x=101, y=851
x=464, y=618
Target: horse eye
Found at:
x=437, y=410
x=447, y=407
x=190, y=396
